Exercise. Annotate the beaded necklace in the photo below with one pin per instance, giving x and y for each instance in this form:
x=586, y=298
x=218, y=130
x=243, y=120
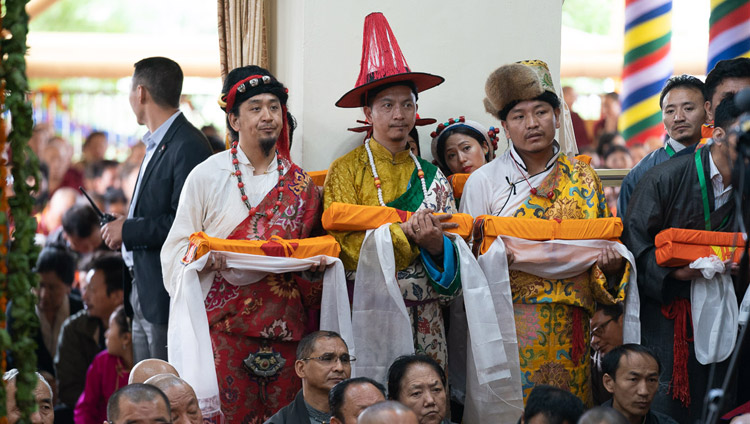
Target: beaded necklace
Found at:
x=533, y=190
x=420, y=173
x=253, y=211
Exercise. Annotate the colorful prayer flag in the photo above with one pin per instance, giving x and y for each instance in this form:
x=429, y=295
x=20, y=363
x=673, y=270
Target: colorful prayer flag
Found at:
x=647, y=65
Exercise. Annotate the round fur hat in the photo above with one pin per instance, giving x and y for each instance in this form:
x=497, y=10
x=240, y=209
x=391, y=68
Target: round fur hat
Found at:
x=516, y=82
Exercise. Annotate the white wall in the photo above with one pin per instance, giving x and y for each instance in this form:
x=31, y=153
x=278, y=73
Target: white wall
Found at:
x=315, y=49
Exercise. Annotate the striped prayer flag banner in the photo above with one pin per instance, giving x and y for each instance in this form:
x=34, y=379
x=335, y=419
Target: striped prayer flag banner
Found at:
x=647, y=65
x=729, y=31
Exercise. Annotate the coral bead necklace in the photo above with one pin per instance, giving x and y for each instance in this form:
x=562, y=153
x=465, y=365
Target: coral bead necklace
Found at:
x=420, y=173
x=254, y=211
x=533, y=190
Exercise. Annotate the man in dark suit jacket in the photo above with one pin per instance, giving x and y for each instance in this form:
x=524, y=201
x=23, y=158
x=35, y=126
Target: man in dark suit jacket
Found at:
x=173, y=148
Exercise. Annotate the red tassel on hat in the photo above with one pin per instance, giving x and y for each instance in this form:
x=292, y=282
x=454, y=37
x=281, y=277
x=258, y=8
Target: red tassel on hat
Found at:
x=579, y=344
x=382, y=63
x=379, y=42
x=282, y=143
x=679, y=311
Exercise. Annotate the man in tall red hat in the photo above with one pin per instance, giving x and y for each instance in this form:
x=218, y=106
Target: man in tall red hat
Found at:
x=250, y=192
x=384, y=172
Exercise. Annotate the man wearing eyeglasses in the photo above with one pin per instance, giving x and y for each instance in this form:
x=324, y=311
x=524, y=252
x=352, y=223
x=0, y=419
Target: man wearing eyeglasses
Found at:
x=606, y=334
x=323, y=361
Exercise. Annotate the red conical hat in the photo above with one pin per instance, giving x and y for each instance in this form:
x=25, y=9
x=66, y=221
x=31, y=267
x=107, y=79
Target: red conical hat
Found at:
x=382, y=63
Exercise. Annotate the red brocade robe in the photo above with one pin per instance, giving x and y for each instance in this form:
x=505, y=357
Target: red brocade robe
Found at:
x=255, y=328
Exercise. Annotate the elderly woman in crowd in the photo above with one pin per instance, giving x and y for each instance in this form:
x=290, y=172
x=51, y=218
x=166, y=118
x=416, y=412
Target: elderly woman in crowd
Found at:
x=419, y=382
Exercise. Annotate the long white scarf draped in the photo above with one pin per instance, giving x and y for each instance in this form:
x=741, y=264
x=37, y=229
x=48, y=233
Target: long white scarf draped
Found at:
x=714, y=310
x=502, y=400
x=189, y=340
x=380, y=321
x=379, y=311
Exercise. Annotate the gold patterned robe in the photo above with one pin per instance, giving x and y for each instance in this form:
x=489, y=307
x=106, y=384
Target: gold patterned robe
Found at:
x=552, y=316
x=350, y=180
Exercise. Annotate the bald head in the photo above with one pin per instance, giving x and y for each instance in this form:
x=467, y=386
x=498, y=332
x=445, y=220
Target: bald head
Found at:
x=138, y=403
x=389, y=412
x=182, y=399
x=148, y=368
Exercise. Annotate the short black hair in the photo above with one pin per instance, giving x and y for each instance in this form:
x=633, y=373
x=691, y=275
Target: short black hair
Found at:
x=162, y=77
x=114, y=195
x=612, y=95
x=616, y=148
x=292, y=122
x=738, y=67
x=606, y=141
x=611, y=361
x=91, y=136
x=368, y=97
x=684, y=80
x=612, y=311
x=546, y=96
x=113, y=267
x=401, y=365
x=459, y=129
x=557, y=405
x=58, y=260
x=236, y=75
x=136, y=393
x=338, y=392
x=415, y=135
x=122, y=320
x=80, y=221
x=96, y=169
x=306, y=346
x=726, y=112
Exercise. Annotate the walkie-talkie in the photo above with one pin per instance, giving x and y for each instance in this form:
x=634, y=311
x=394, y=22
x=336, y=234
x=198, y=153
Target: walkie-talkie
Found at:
x=104, y=218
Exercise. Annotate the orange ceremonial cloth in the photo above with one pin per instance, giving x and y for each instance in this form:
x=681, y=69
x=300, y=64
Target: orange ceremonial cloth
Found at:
x=677, y=247
x=458, y=181
x=584, y=158
x=349, y=217
x=200, y=244
x=318, y=177
x=542, y=229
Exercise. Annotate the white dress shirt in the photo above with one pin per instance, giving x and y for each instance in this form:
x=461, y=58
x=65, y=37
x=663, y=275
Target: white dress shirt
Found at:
x=722, y=193
x=151, y=140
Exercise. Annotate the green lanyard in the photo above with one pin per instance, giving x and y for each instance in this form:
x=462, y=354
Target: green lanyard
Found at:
x=670, y=150
x=704, y=189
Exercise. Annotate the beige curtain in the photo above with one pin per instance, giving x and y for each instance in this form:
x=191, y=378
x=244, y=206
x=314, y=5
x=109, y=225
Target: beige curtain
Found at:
x=242, y=34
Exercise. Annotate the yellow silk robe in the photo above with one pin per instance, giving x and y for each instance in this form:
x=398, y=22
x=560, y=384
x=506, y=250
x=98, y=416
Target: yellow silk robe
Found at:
x=350, y=180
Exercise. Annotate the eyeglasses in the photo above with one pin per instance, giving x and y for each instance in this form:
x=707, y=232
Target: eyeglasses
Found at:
x=599, y=330
x=330, y=358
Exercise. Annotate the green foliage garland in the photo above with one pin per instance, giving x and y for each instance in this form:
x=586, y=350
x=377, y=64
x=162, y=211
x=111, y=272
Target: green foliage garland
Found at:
x=23, y=253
